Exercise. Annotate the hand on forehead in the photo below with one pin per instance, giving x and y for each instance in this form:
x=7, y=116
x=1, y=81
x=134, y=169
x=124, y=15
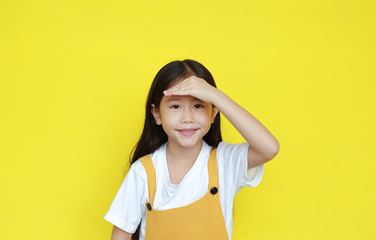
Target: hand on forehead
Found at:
x=192, y=86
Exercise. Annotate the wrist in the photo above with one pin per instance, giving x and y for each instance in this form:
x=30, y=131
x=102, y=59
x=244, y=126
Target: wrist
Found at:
x=218, y=97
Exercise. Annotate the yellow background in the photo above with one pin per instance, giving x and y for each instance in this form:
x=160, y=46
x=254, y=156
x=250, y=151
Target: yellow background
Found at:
x=74, y=79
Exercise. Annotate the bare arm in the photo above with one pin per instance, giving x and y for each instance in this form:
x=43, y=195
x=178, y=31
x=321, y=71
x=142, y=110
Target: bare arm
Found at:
x=119, y=234
x=263, y=145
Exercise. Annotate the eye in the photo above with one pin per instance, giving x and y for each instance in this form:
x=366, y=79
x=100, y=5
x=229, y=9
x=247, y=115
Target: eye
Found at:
x=198, y=106
x=175, y=106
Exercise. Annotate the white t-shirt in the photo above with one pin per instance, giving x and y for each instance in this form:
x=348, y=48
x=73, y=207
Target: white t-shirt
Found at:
x=128, y=207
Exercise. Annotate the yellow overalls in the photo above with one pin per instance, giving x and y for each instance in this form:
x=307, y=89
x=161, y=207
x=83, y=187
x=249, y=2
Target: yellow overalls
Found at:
x=202, y=219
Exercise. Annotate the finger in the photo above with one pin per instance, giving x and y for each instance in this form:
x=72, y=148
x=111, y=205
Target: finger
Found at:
x=168, y=93
x=177, y=90
x=175, y=93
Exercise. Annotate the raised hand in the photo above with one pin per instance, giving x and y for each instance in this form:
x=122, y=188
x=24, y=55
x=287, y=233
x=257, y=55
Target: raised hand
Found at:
x=195, y=87
x=263, y=145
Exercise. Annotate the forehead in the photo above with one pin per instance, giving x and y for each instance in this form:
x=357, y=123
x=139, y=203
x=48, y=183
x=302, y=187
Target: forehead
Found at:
x=180, y=99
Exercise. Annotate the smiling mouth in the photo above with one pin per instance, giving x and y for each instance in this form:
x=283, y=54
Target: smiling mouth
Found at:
x=187, y=132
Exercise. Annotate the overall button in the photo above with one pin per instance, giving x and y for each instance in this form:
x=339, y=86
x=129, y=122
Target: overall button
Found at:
x=148, y=206
x=213, y=190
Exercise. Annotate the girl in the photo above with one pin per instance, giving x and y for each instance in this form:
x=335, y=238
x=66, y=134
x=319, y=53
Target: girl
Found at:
x=183, y=178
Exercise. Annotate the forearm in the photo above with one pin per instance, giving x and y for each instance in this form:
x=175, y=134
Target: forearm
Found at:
x=256, y=135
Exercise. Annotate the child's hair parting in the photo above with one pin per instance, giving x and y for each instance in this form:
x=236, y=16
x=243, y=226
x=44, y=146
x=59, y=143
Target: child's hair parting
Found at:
x=153, y=136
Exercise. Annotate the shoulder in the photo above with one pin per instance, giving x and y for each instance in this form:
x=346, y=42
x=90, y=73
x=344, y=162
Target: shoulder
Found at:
x=224, y=144
x=138, y=169
x=226, y=149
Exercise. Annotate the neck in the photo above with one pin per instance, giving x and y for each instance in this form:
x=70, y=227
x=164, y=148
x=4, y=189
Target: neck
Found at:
x=178, y=154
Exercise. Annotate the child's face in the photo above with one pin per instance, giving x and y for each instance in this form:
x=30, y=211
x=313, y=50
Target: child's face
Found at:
x=185, y=119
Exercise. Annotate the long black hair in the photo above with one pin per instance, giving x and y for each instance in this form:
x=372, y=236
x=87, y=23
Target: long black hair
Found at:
x=153, y=135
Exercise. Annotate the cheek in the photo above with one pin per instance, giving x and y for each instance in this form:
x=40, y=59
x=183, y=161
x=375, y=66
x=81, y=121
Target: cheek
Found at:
x=168, y=119
x=205, y=118
x=164, y=115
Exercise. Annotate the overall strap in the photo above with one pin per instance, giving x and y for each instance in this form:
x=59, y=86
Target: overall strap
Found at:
x=150, y=171
x=213, y=170
x=149, y=167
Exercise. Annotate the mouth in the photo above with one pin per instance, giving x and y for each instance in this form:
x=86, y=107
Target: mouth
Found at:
x=187, y=132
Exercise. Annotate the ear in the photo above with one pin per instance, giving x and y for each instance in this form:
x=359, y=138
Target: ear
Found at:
x=156, y=114
x=215, y=111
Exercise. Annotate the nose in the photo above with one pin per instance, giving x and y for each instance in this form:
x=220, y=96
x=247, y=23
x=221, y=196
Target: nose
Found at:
x=187, y=115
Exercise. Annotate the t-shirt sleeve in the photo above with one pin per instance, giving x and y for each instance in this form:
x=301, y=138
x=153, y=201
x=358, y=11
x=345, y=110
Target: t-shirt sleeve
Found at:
x=127, y=207
x=233, y=158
